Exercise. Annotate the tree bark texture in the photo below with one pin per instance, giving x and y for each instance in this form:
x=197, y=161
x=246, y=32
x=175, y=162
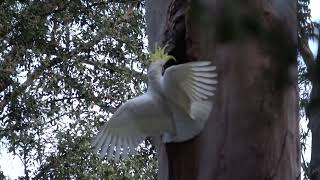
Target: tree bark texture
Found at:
x=252, y=132
x=314, y=124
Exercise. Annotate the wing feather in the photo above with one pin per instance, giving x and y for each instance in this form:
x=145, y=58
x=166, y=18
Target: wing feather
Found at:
x=125, y=149
x=101, y=140
x=198, y=63
x=129, y=125
x=132, y=146
x=194, y=94
x=204, y=69
x=205, y=74
x=99, y=135
x=204, y=80
x=204, y=86
x=111, y=148
x=118, y=150
x=98, y=141
x=190, y=83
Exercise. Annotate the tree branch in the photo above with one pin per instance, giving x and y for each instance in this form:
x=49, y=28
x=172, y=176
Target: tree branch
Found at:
x=63, y=8
x=8, y=66
x=305, y=167
x=306, y=53
x=111, y=66
x=38, y=72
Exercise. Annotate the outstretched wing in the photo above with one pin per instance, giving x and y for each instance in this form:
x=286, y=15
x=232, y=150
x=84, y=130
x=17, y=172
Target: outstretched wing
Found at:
x=189, y=86
x=130, y=125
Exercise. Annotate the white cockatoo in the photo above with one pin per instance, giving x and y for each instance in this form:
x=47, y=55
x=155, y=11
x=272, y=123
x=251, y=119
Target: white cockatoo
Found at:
x=175, y=107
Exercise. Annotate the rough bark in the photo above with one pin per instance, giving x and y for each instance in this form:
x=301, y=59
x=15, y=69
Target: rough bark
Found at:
x=314, y=124
x=252, y=132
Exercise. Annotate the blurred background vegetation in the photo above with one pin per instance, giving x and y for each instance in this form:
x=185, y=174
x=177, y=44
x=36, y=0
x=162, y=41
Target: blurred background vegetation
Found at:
x=65, y=66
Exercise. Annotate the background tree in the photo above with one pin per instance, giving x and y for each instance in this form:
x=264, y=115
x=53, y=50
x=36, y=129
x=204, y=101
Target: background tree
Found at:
x=309, y=77
x=253, y=129
x=64, y=67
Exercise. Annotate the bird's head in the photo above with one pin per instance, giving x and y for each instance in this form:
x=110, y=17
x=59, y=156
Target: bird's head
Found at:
x=159, y=55
x=157, y=60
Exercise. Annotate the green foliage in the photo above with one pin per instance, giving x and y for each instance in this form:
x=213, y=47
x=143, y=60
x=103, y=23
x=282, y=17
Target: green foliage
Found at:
x=306, y=27
x=64, y=67
x=306, y=31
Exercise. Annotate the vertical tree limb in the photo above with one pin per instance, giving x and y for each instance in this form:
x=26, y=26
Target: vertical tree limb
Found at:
x=252, y=132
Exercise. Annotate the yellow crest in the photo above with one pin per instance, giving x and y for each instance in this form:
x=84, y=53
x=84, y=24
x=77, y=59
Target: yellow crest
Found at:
x=160, y=55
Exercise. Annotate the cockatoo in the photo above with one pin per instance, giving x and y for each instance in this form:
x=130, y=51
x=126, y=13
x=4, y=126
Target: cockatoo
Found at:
x=175, y=108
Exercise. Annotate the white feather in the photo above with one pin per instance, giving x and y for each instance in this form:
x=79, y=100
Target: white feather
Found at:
x=176, y=106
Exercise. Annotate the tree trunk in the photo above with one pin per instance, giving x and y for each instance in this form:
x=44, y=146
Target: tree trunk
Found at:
x=252, y=132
